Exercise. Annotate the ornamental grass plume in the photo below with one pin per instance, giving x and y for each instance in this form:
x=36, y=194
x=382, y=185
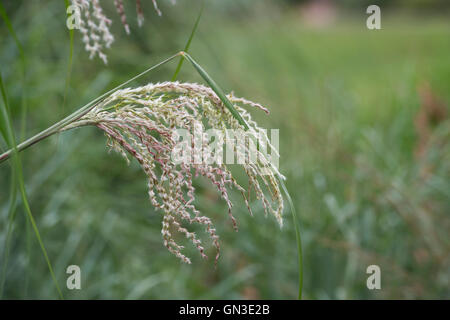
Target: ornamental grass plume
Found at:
x=144, y=123
x=95, y=26
x=141, y=122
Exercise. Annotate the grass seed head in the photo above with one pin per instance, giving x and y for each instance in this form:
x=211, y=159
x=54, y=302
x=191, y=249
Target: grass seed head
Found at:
x=141, y=122
x=94, y=25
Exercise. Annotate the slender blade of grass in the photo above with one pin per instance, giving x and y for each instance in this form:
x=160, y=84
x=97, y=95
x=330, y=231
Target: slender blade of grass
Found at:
x=8, y=23
x=217, y=90
x=16, y=163
x=11, y=216
x=188, y=44
x=13, y=191
x=29, y=266
x=22, y=56
x=297, y=237
x=13, y=188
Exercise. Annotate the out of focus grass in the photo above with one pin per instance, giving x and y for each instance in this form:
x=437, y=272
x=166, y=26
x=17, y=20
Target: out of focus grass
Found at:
x=345, y=100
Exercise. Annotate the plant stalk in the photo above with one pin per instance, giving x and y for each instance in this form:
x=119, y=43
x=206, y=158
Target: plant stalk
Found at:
x=57, y=127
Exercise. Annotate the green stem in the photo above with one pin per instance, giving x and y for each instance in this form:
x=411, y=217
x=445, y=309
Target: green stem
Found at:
x=76, y=115
x=297, y=236
x=188, y=44
x=217, y=90
x=11, y=216
x=9, y=136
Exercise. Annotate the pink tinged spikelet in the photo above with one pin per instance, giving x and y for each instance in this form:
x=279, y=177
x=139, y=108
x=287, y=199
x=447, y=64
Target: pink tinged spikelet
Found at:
x=139, y=13
x=141, y=121
x=94, y=25
x=121, y=12
x=155, y=5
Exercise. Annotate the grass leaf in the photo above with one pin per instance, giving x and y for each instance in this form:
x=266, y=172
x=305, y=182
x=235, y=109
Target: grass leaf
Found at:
x=8, y=23
x=295, y=219
x=11, y=216
x=23, y=121
x=9, y=136
x=188, y=44
x=217, y=90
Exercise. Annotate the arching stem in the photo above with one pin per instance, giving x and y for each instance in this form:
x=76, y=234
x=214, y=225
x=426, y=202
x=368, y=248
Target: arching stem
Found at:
x=57, y=127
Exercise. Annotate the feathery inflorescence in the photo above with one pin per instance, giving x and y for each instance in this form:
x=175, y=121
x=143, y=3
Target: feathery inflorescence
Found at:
x=142, y=122
x=95, y=26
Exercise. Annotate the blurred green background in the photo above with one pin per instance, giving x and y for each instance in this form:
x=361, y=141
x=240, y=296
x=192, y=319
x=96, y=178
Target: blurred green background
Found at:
x=364, y=130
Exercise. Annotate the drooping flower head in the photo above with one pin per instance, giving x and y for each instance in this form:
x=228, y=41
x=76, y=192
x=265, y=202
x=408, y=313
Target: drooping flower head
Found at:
x=143, y=123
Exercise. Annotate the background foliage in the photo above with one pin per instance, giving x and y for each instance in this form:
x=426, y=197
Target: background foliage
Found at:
x=363, y=118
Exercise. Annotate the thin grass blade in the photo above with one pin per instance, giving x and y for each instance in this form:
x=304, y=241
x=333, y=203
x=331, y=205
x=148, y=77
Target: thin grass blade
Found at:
x=11, y=217
x=9, y=25
x=9, y=136
x=188, y=44
x=297, y=236
x=217, y=90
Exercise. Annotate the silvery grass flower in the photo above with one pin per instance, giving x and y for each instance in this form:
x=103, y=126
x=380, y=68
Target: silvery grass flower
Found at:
x=95, y=26
x=145, y=123
x=140, y=123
